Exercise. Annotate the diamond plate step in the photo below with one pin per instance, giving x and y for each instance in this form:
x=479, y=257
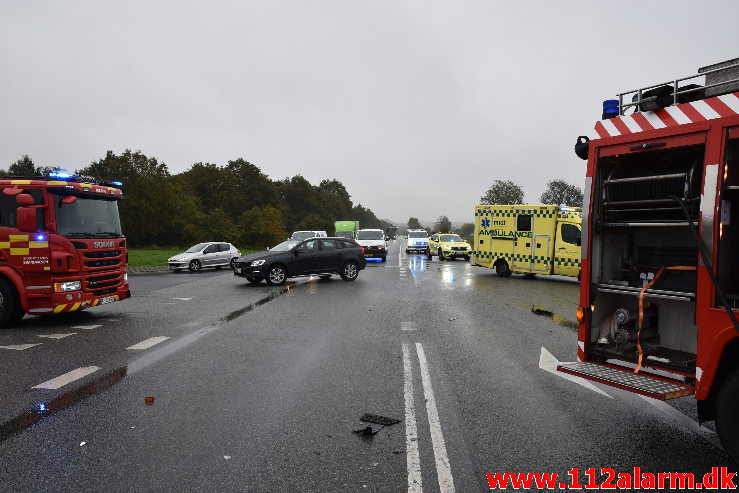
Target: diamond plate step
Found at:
x=640, y=383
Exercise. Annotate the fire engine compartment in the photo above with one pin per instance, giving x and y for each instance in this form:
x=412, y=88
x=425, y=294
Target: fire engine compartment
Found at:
x=638, y=229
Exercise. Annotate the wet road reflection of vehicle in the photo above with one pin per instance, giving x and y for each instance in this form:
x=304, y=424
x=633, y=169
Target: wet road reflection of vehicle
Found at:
x=321, y=256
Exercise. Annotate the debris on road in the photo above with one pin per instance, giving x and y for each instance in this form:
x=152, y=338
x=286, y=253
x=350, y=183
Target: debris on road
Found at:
x=380, y=420
x=148, y=401
x=540, y=310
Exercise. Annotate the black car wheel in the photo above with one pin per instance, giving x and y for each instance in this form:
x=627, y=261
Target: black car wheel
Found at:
x=232, y=263
x=502, y=269
x=277, y=275
x=383, y=258
x=441, y=255
x=11, y=311
x=254, y=280
x=467, y=258
x=428, y=255
x=195, y=266
x=349, y=271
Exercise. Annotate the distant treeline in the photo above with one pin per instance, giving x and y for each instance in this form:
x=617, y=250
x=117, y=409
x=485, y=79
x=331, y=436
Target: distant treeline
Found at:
x=235, y=203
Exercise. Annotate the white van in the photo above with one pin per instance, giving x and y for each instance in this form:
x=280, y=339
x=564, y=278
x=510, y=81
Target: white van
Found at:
x=373, y=241
x=417, y=241
x=304, y=235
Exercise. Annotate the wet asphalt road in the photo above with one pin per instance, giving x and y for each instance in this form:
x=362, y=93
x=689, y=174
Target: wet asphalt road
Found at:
x=258, y=388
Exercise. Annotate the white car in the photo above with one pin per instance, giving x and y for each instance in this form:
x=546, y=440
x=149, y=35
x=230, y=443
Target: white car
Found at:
x=304, y=235
x=373, y=241
x=205, y=255
x=417, y=241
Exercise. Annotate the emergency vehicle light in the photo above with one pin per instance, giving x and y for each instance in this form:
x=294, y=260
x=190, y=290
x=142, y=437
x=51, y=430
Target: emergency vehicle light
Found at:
x=60, y=174
x=40, y=237
x=610, y=108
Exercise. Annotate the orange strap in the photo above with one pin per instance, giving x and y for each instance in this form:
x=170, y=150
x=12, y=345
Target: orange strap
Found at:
x=641, y=308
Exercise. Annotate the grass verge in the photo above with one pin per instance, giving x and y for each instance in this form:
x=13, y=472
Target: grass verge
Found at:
x=152, y=257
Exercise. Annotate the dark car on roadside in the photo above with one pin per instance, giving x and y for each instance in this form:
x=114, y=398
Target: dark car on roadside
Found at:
x=292, y=258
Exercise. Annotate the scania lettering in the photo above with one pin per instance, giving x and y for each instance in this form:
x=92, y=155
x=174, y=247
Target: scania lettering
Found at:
x=61, y=246
x=660, y=272
x=528, y=239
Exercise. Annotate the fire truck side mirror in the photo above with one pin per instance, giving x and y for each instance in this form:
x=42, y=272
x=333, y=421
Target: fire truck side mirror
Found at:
x=69, y=199
x=25, y=215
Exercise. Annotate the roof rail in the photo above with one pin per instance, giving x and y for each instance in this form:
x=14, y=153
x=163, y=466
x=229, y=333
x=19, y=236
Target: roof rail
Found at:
x=720, y=78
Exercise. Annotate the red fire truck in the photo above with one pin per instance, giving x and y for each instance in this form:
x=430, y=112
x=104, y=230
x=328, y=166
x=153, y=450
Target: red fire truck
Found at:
x=660, y=246
x=61, y=245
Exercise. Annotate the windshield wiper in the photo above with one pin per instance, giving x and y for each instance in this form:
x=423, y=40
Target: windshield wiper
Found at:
x=79, y=235
x=109, y=234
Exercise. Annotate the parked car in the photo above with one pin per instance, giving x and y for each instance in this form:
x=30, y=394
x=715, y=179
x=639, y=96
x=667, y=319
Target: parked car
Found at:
x=293, y=258
x=304, y=235
x=374, y=243
x=205, y=255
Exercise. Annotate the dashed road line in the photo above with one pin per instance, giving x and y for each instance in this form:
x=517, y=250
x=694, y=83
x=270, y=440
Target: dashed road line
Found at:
x=86, y=327
x=56, y=336
x=146, y=344
x=20, y=347
x=182, y=299
x=408, y=326
x=411, y=432
x=67, y=378
x=443, y=469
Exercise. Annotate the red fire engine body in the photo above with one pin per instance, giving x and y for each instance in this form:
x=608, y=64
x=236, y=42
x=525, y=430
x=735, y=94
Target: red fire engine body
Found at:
x=660, y=251
x=61, y=246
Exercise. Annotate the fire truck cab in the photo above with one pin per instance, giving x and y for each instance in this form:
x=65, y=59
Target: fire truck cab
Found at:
x=61, y=246
x=660, y=271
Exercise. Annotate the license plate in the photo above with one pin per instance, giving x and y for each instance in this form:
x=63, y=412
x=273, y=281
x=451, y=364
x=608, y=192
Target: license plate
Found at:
x=368, y=255
x=107, y=299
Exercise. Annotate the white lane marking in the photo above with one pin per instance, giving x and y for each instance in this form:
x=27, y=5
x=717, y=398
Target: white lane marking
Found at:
x=182, y=299
x=20, y=347
x=86, y=327
x=411, y=433
x=152, y=341
x=57, y=336
x=443, y=469
x=685, y=421
x=548, y=362
x=408, y=326
x=67, y=378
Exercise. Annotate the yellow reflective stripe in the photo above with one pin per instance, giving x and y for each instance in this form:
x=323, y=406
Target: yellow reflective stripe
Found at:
x=19, y=251
x=59, y=308
x=17, y=237
x=94, y=303
x=47, y=268
x=56, y=183
x=117, y=298
x=38, y=244
x=20, y=182
x=4, y=244
x=74, y=307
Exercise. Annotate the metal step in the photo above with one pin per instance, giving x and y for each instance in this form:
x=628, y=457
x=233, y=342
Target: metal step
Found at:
x=624, y=378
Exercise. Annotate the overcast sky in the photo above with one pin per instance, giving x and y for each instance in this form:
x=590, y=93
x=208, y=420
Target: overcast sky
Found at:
x=416, y=106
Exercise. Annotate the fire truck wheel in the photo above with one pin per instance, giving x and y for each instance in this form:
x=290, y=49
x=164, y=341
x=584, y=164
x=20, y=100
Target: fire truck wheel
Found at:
x=727, y=402
x=502, y=269
x=11, y=311
x=194, y=265
x=441, y=255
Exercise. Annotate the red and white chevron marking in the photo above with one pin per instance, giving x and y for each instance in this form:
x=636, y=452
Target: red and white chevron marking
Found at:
x=672, y=116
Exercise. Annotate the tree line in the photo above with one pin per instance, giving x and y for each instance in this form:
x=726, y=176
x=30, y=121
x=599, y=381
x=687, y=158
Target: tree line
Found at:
x=235, y=202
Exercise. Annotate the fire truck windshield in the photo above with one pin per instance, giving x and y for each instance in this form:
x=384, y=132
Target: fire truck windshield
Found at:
x=88, y=218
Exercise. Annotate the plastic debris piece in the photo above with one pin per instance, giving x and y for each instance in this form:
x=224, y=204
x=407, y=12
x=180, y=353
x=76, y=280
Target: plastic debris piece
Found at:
x=82, y=443
x=148, y=401
x=380, y=420
x=368, y=430
x=226, y=457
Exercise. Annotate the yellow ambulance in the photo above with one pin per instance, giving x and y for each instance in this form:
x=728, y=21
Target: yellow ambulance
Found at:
x=528, y=239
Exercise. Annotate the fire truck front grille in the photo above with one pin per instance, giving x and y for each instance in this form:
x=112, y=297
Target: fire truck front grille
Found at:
x=103, y=263
x=104, y=254
x=103, y=284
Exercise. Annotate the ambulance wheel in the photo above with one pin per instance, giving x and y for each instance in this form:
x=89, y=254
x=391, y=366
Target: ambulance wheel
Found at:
x=502, y=269
x=194, y=266
x=11, y=311
x=727, y=402
x=441, y=255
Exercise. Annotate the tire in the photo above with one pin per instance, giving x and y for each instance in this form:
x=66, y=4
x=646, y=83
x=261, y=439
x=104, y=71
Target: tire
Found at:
x=529, y=275
x=11, y=311
x=349, y=271
x=219, y=267
x=407, y=251
x=254, y=280
x=276, y=275
x=194, y=266
x=383, y=259
x=727, y=426
x=467, y=258
x=429, y=256
x=502, y=269
x=441, y=255
x=232, y=263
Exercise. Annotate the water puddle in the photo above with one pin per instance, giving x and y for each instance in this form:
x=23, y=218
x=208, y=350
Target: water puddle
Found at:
x=45, y=409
